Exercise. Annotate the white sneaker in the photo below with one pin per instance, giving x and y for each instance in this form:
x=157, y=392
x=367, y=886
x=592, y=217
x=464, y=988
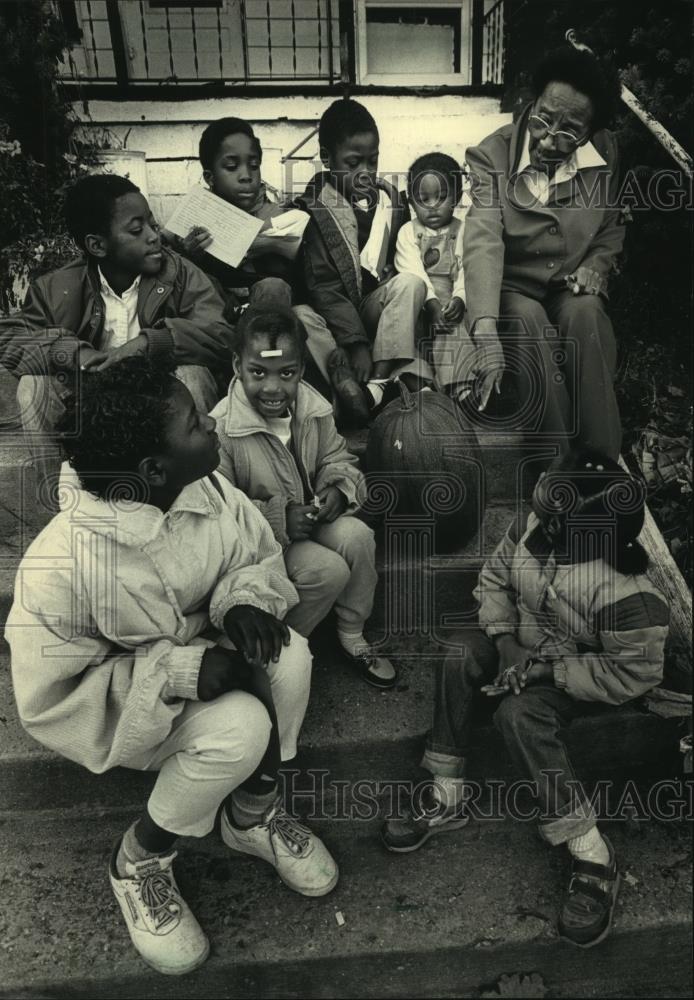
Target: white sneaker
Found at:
x=159, y=921
x=302, y=860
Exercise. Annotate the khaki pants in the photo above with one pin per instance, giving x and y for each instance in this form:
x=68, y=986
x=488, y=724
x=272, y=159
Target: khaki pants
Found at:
x=337, y=567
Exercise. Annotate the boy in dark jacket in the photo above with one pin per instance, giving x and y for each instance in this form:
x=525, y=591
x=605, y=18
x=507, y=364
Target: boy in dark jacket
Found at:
x=127, y=296
x=349, y=246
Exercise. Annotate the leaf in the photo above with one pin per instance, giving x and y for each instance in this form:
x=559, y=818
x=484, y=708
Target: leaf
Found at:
x=674, y=391
x=518, y=984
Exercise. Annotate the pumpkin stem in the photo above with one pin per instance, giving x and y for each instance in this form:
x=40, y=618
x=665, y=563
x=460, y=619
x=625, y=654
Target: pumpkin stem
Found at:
x=406, y=397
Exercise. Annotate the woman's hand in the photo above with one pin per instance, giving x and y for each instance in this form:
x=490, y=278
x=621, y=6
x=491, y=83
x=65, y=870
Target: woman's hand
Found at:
x=487, y=365
x=586, y=281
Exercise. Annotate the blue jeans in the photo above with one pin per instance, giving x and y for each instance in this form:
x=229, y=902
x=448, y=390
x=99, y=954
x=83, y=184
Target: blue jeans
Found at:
x=530, y=724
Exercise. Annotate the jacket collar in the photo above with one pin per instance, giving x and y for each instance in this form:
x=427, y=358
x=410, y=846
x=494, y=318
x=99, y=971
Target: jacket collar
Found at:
x=137, y=524
x=160, y=283
x=241, y=419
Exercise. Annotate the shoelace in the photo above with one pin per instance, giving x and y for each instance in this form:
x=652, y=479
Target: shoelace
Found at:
x=293, y=834
x=160, y=897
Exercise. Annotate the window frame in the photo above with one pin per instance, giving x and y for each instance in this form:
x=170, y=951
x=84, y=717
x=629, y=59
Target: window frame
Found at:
x=461, y=79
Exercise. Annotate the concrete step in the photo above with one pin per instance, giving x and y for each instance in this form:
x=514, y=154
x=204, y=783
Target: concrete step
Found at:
x=352, y=733
x=450, y=920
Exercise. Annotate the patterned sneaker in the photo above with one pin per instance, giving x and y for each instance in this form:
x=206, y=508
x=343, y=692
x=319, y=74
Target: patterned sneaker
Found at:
x=160, y=924
x=302, y=860
x=423, y=820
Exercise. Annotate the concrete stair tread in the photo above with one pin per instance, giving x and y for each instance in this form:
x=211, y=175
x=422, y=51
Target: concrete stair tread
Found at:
x=469, y=907
x=351, y=732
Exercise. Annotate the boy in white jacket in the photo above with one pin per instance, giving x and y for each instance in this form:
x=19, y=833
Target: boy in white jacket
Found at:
x=147, y=632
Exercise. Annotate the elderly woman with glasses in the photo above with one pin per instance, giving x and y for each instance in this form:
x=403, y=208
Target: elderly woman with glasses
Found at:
x=541, y=238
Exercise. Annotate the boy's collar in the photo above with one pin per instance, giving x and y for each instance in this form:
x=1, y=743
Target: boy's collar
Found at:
x=106, y=287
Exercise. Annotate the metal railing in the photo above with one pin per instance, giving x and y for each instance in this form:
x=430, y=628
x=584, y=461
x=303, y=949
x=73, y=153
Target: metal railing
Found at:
x=135, y=42
x=493, y=55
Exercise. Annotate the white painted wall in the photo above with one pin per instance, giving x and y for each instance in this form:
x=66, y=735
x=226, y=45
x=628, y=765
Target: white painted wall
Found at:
x=168, y=133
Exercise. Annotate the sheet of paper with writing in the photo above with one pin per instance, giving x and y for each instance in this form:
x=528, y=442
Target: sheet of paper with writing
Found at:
x=232, y=230
x=283, y=235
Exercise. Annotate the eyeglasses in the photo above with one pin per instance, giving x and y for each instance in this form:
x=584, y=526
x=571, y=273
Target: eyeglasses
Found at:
x=566, y=141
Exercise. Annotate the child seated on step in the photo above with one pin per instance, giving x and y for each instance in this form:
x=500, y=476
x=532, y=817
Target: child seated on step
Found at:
x=126, y=296
x=430, y=247
x=569, y=624
x=231, y=158
x=280, y=446
x=349, y=249
x=148, y=631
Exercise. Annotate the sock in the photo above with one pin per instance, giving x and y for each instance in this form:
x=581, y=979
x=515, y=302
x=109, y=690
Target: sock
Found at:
x=590, y=847
x=375, y=387
x=352, y=642
x=131, y=850
x=449, y=791
x=247, y=809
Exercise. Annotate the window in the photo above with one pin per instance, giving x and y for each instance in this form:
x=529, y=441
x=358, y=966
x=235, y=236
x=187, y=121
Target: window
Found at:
x=416, y=44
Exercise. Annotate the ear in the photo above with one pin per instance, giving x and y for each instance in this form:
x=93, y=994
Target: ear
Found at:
x=152, y=471
x=324, y=156
x=236, y=362
x=95, y=245
x=208, y=178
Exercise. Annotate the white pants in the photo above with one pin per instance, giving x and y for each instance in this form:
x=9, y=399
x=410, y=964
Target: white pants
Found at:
x=214, y=746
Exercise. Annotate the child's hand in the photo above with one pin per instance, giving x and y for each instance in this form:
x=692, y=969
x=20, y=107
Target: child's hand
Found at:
x=138, y=345
x=197, y=241
x=360, y=360
x=256, y=633
x=454, y=311
x=389, y=189
x=333, y=503
x=87, y=357
x=221, y=670
x=513, y=659
x=434, y=314
x=300, y=520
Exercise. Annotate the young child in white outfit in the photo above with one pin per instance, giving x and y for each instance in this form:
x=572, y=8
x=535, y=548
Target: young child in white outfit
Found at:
x=431, y=247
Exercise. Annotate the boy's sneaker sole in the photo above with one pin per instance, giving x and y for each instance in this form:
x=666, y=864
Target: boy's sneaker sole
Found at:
x=423, y=836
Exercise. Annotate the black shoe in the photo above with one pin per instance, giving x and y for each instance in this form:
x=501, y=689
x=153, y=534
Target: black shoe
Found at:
x=364, y=664
x=349, y=392
x=423, y=820
x=588, y=906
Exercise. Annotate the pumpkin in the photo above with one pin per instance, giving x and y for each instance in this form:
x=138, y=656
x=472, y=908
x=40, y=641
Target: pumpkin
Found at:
x=424, y=467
